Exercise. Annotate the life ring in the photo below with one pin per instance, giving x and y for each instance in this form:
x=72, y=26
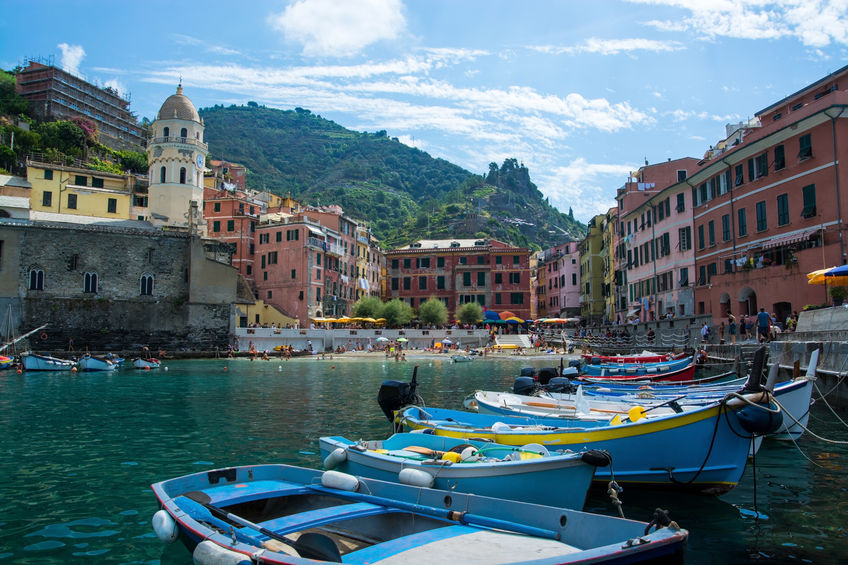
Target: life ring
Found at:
x=43, y=336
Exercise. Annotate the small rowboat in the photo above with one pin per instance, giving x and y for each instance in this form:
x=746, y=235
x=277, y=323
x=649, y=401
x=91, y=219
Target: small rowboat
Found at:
x=146, y=363
x=33, y=362
x=644, y=357
x=679, y=370
x=92, y=363
x=468, y=466
x=270, y=514
x=461, y=358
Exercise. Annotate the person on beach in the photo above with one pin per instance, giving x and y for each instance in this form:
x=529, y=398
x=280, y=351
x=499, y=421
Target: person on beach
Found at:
x=763, y=326
x=731, y=327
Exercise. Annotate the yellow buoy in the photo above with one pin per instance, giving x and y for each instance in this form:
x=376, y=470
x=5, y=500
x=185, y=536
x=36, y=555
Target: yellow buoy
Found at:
x=452, y=457
x=616, y=421
x=636, y=413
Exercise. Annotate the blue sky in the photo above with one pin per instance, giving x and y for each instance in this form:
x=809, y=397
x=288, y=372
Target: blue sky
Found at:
x=581, y=92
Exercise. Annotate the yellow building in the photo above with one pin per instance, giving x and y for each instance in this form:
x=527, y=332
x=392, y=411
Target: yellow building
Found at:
x=592, y=272
x=538, y=286
x=608, y=227
x=81, y=192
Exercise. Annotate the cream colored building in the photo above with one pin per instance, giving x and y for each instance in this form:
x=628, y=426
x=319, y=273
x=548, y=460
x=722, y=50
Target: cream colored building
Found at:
x=79, y=192
x=177, y=158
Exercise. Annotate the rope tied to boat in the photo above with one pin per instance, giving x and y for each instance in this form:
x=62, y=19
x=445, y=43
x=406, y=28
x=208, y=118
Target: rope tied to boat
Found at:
x=612, y=490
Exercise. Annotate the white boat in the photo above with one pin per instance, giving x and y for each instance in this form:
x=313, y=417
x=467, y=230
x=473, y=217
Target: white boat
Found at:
x=33, y=362
x=461, y=358
x=146, y=363
x=91, y=363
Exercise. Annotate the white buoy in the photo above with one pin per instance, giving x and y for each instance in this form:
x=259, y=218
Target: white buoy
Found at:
x=166, y=368
x=416, y=477
x=165, y=527
x=536, y=448
x=336, y=458
x=498, y=427
x=208, y=553
x=280, y=368
x=340, y=481
x=469, y=454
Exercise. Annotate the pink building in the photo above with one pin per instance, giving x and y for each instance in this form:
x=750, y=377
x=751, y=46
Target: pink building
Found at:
x=654, y=247
x=561, y=280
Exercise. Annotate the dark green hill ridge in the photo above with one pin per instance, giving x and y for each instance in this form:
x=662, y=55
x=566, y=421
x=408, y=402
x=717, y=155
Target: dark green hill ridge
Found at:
x=403, y=193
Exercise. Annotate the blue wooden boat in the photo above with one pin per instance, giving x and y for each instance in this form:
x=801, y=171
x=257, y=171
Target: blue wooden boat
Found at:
x=461, y=358
x=678, y=370
x=92, y=363
x=704, y=449
x=468, y=466
x=33, y=362
x=270, y=514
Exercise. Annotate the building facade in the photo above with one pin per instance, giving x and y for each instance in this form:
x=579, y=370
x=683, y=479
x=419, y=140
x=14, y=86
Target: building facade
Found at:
x=592, y=272
x=489, y=272
x=54, y=94
x=559, y=281
x=769, y=205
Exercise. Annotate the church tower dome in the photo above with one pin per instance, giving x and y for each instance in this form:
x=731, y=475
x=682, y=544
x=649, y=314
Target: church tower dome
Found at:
x=177, y=159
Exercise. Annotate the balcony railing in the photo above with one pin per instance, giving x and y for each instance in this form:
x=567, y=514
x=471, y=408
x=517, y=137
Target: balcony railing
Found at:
x=183, y=140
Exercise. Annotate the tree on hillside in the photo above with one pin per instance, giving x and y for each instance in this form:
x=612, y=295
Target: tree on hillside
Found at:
x=396, y=312
x=470, y=313
x=65, y=136
x=433, y=312
x=10, y=102
x=368, y=307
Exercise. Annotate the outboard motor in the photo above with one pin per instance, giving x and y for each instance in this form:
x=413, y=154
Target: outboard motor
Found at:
x=524, y=386
x=527, y=372
x=394, y=395
x=562, y=385
x=569, y=372
x=595, y=361
x=575, y=363
x=546, y=374
x=755, y=377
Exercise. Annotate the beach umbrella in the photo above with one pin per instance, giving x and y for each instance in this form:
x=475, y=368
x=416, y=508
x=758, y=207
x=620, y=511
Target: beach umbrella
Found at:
x=381, y=338
x=507, y=315
x=837, y=275
x=402, y=339
x=447, y=340
x=514, y=320
x=817, y=277
x=491, y=315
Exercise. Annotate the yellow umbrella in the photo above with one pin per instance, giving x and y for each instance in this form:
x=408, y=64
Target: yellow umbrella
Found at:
x=817, y=277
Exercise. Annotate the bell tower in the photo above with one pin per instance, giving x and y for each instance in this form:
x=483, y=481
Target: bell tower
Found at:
x=177, y=158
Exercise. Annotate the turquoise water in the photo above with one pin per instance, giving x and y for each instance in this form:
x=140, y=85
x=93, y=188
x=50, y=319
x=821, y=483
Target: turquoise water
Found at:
x=78, y=453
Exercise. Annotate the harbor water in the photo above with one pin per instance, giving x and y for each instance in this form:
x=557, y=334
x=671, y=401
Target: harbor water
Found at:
x=78, y=453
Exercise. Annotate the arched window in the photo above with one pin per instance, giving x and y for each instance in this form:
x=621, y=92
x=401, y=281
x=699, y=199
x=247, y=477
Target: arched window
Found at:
x=182, y=175
x=147, y=285
x=184, y=132
x=36, y=279
x=166, y=132
x=90, y=283
x=162, y=175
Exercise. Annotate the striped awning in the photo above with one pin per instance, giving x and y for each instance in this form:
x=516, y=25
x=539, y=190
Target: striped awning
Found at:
x=787, y=239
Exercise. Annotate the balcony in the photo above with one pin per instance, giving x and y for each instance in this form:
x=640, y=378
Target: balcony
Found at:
x=180, y=140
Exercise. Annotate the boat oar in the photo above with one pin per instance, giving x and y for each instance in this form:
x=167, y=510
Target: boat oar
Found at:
x=310, y=545
x=452, y=515
x=638, y=412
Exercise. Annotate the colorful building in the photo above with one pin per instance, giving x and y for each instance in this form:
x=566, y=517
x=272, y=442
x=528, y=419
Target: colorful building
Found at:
x=608, y=254
x=559, y=281
x=489, y=272
x=768, y=205
x=592, y=272
x=655, y=242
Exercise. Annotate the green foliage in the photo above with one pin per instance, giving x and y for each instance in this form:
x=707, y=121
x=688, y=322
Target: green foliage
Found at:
x=470, y=313
x=64, y=136
x=433, y=312
x=368, y=307
x=133, y=161
x=403, y=193
x=396, y=312
x=7, y=157
x=838, y=293
x=105, y=166
x=11, y=103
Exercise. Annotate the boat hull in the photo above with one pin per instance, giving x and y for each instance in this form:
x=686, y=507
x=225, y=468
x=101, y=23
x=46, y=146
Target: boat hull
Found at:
x=89, y=363
x=146, y=363
x=672, y=371
x=515, y=480
x=32, y=362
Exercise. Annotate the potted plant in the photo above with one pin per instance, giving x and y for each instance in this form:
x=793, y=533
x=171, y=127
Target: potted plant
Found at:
x=838, y=294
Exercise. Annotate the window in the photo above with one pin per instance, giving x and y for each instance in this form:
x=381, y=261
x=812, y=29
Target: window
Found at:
x=779, y=158
x=480, y=260
x=742, y=222
x=279, y=236
x=72, y=201
x=516, y=298
x=515, y=278
x=684, y=276
x=47, y=198
x=272, y=258
x=463, y=260
x=217, y=207
x=96, y=182
x=270, y=294
x=263, y=263
x=407, y=263
x=147, y=285
x=90, y=283
x=440, y=282
x=497, y=298
x=162, y=175
x=782, y=209
x=701, y=236
x=761, y=163
x=231, y=225
x=394, y=263
x=395, y=283
x=422, y=283
x=440, y=261
x=407, y=283
x=725, y=227
x=809, y=192
x=573, y=279
x=805, y=147
x=481, y=279
x=166, y=132
x=466, y=279
x=112, y=206
x=498, y=259
x=216, y=226
x=681, y=175
x=702, y=275
x=36, y=279
x=712, y=269
x=48, y=174
x=498, y=278
x=762, y=224
x=184, y=132
x=80, y=180
x=515, y=260
x=739, y=180
x=681, y=202
x=711, y=231
x=182, y=175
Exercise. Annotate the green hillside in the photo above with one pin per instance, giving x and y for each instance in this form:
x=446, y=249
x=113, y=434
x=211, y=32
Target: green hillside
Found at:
x=401, y=192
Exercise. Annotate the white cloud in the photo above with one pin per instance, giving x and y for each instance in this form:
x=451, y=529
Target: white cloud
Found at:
x=588, y=188
x=207, y=46
x=332, y=28
x=814, y=23
x=610, y=46
x=72, y=56
x=116, y=85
